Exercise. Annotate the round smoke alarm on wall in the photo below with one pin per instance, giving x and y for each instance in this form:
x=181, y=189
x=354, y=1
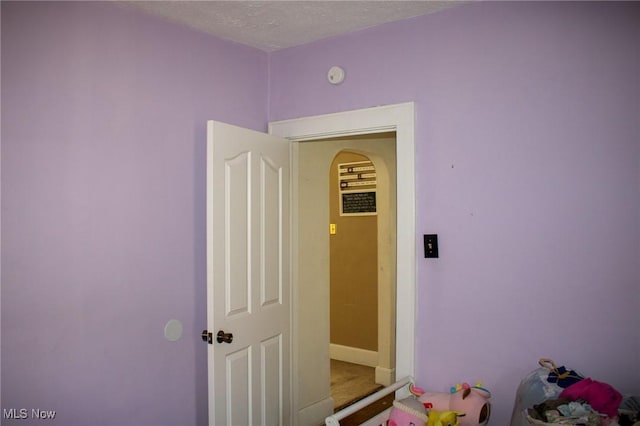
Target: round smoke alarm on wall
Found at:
x=335, y=75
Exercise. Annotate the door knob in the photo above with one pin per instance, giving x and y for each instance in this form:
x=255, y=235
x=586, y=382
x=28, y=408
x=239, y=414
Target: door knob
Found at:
x=223, y=337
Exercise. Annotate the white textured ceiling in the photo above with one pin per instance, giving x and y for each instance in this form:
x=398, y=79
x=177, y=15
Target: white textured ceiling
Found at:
x=273, y=25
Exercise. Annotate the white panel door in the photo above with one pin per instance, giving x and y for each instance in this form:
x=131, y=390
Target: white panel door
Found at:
x=248, y=277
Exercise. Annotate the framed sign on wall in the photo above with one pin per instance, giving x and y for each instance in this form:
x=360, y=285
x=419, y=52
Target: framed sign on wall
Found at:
x=357, y=188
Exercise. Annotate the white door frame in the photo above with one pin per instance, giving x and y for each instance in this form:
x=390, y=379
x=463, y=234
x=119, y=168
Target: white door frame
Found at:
x=401, y=119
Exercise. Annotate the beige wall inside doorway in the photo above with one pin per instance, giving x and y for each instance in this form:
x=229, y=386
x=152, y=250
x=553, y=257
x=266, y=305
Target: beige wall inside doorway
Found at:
x=312, y=296
x=353, y=268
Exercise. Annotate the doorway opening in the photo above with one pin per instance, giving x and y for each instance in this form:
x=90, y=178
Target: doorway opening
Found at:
x=362, y=254
x=312, y=401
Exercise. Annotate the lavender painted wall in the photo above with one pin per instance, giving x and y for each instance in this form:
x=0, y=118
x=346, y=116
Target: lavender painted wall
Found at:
x=527, y=155
x=528, y=163
x=103, y=201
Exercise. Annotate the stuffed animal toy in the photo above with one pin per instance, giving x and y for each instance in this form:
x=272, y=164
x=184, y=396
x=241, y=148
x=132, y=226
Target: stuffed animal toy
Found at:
x=408, y=412
x=443, y=418
x=472, y=401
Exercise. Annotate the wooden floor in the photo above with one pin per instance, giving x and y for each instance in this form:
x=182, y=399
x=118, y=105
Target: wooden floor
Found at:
x=352, y=382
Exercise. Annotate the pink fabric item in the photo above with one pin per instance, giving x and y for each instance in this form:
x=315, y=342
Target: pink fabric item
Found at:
x=407, y=412
x=602, y=397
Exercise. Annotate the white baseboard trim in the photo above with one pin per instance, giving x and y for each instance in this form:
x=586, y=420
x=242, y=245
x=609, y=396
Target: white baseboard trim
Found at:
x=353, y=355
x=385, y=376
x=314, y=414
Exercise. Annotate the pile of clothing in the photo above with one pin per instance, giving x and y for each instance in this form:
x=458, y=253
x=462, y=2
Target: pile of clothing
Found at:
x=567, y=412
x=629, y=411
x=583, y=401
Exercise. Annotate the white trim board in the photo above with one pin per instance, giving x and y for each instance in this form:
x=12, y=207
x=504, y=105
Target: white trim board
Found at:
x=353, y=355
x=401, y=119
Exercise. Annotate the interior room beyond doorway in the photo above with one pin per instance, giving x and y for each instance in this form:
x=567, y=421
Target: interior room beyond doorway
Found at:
x=369, y=332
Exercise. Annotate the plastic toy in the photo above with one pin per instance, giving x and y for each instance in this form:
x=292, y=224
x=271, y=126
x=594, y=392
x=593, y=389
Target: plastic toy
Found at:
x=443, y=418
x=407, y=412
x=473, y=401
